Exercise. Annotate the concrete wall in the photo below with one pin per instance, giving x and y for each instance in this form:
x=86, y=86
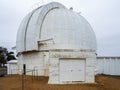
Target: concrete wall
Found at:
x=34, y=61
x=48, y=64
x=54, y=73
x=108, y=65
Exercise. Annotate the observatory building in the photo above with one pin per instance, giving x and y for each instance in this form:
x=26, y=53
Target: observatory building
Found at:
x=58, y=43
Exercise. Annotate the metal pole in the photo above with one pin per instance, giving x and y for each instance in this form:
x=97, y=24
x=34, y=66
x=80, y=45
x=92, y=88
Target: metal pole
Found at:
x=22, y=81
x=23, y=73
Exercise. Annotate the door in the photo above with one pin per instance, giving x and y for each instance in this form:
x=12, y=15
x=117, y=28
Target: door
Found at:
x=72, y=70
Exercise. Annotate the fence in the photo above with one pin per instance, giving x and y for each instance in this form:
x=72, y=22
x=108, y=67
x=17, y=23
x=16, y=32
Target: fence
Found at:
x=108, y=65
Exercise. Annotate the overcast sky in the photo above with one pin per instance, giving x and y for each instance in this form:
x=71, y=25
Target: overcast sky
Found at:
x=103, y=15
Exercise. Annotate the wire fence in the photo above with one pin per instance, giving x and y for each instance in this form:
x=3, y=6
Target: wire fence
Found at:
x=22, y=75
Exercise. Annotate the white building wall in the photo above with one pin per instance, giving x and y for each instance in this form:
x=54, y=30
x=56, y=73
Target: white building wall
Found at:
x=12, y=67
x=34, y=61
x=54, y=66
x=108, y=65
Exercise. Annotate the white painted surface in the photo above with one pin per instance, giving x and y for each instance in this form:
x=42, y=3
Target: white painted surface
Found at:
x=108, y=65
x=68, y=29
x=12, y=67
x=72, y=70
x=30, y=28
x=33, y=60
x=65, y=30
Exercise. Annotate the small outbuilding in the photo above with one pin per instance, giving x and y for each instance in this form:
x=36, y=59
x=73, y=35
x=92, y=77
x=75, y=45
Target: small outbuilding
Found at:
x=58, y=43
x=12, y=67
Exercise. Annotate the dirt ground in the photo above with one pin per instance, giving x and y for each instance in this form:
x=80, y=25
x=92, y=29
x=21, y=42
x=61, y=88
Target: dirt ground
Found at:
x=14, y=82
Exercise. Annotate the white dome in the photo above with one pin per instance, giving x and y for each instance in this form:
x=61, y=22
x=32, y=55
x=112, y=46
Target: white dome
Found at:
x=57, y=28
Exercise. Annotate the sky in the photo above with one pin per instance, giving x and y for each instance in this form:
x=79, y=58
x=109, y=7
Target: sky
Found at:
x=103, y=15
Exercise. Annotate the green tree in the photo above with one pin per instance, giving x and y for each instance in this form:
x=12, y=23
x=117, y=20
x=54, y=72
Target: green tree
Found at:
x=5, y=56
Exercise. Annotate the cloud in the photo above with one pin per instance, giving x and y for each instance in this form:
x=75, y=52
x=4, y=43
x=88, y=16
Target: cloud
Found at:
x=103, y=15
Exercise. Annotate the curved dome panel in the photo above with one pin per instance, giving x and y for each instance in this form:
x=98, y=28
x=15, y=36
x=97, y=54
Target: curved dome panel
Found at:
x=67, y=29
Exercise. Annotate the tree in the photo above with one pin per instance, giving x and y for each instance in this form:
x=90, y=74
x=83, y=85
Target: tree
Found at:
x=10, y=56
x=5, y=56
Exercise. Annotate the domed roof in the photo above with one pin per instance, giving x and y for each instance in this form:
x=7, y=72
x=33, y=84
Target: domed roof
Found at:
x=53, y=26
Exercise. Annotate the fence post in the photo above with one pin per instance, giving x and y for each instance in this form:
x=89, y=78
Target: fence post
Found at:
x=23, y=73
x=24, y=69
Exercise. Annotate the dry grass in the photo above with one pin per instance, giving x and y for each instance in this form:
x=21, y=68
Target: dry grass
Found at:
x=40, y=83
